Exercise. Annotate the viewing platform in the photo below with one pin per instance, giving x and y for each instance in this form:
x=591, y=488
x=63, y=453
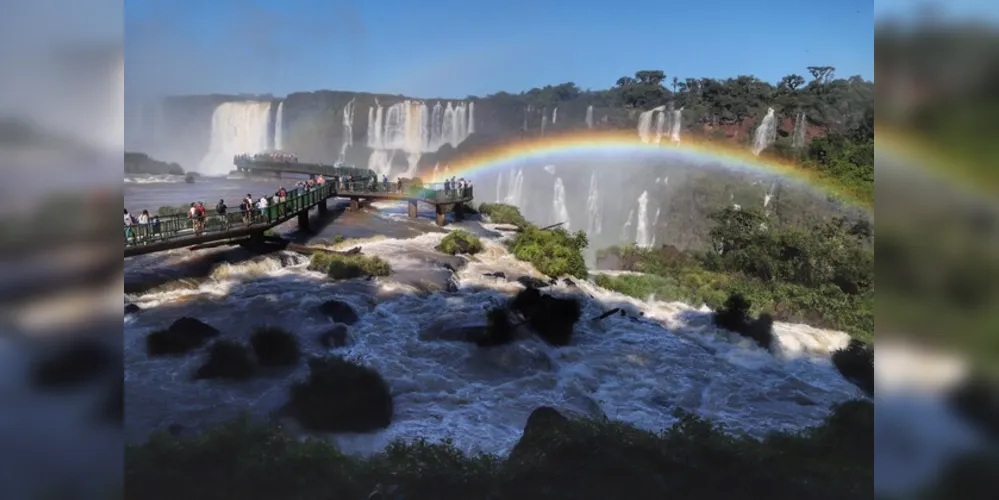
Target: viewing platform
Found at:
x=236, y=226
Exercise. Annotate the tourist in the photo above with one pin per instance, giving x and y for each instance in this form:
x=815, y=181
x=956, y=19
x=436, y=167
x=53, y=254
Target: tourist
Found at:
x=128, y=225
x=220, y=209
x=144, y=224
x=155, y=222
x=262, y=206
x=247, y=207
x=398, y=186
x=385, y=182
x=282, y=194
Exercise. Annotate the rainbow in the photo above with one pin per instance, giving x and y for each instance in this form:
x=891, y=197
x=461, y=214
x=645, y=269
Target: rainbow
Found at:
x=615, y=145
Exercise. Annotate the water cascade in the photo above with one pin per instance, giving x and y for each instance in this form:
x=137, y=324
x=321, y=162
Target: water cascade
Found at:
x=514, y=195
x=555, y=116
x=593, y=206
x=239, y=127
x=642, y=229
x=589, y=117
x=676, y=123
x=279, y=127
x=559, y=211
x=766, y=133
x=626, y=229
x=348, y=131
x=651, y=124
x=798, y=136
x=414, y=128
x=499, y=186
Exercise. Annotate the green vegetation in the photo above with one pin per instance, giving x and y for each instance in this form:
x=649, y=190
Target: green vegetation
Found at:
x=500, y=213
x=553, y=252
x=344, y=267
x=823, y=276
x=556, y=458
x=460, y=241
x=140, y=163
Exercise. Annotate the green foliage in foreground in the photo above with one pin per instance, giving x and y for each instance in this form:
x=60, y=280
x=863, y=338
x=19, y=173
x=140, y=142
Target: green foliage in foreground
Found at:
x=345, y=267
x=460, y=241
x=571, y=460
x=823, y=277
x=500, y=213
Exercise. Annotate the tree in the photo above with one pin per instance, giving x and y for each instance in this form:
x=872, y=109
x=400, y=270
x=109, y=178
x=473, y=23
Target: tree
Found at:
x=676, y=81
x=651, y=77
x=791, y=82
x=822, y=74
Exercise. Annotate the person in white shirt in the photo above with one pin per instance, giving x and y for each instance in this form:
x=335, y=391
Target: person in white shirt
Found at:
x=262, y=205
x=128, y=225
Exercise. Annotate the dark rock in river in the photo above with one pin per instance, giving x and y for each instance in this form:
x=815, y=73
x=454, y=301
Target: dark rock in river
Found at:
x=541, y=425
x=532, y=282
x=335, y=337
x=339, y=311
x=183, y=336
x=132, y=309
x=226, y=359
x=498, y=274
x=552, y=318
x=340, y=396
x=275, y=346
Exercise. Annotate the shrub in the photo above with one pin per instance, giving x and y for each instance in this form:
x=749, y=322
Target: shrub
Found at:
x=734, y=316
x=553, y=252
x=183, y=336
x=275, y=346
x=500, y=213
x=343, y=267
x=856, y=364
x=460, y=241
x=341, y=396
x=552, y=318
x=226, y=359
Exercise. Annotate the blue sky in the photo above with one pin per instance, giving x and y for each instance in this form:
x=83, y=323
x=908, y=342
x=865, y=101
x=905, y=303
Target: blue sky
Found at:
x=453, y=48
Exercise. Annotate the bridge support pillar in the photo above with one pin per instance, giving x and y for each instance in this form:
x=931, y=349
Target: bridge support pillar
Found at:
x=323, y=207
x=303, y=220
x=459, y=211
x=355, y=204
x=441, y=215
x=412, y=209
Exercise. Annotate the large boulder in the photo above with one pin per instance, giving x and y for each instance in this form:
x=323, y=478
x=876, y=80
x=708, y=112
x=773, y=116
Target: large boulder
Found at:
x=275, y=346
x=552, y=318
x=132, y=309
x=340, y=396
x=734, y=316
x=226, y=359
x=541, y=425
x=856, y=364
x=183, y=336
x=339, y=311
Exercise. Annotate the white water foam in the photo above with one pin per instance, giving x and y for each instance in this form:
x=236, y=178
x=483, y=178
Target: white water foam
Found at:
x=637, y=369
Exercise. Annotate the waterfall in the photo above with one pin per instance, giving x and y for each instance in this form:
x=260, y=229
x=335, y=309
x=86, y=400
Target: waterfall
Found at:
x=642, y=230
x=555, y=116
x=550, y=169
x=544, y=120
x=237, y=128
x=413, y=128
x=348, y=130
x=279, y=127
x=559, y=211
x=655, y=224
x=625, y=230
x=515, y=191
x=589, y=116
x=676, y=123
x=593, y=206
x=766, y=133
x=798, y=137
x=645, y=124
x=499, y=186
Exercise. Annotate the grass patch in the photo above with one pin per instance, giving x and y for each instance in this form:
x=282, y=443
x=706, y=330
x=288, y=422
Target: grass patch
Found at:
x=560, y=459
x=343, y=267
x=275, y=346
x=460, y=242
x=341, y=396
x=501, y=213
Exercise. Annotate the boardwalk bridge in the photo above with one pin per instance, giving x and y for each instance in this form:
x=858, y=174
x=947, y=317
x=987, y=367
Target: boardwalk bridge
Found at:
x=177, y=231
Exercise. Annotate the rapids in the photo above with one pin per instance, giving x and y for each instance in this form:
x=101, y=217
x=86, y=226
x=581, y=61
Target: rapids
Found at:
x=636, y=368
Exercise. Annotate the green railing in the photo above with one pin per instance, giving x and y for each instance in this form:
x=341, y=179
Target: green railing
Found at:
x=169, y=227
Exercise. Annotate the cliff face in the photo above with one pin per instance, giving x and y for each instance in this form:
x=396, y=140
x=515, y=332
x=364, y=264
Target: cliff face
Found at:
x=326, y=126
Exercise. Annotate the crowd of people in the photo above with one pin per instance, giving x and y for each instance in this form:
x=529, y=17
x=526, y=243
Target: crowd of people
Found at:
x=145, y=228
x=271, y=156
